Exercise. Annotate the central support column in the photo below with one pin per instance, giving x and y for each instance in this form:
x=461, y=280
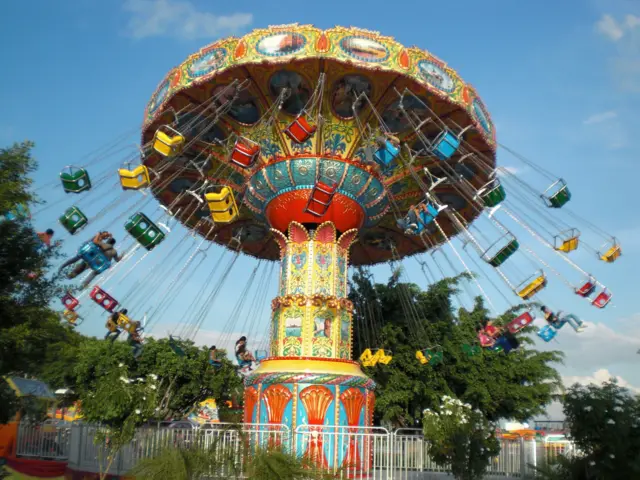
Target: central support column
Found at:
x=309, y=380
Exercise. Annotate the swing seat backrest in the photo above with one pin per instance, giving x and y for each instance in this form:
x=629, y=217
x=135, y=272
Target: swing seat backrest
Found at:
x=147, y=233
x=386, y=154
x=73, y=220
x=520, y=322
x=547, y=333
x=602, y=299
x=586, y=290
x=320, y=198
x=75, y=180
x=71, y=316
x=299, y=131
x=421, y=358
x=533, y=287
x=222, y=205
x=445, y=145
x=167, y=141
x=134, y=179
x=427, y=214
x=559, y=198
x=69, y=301
x=569, y=245
x=103, y=299
x=612, y=254
x=493, y=196
x=124, y=322
x=93, y=256
x=244, y=153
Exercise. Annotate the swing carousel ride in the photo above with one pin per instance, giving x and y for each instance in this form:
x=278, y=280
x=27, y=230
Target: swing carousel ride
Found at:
x=319, y=150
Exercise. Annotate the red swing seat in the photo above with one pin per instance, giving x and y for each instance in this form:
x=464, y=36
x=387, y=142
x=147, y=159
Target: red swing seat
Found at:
x=519, y=322
x=602, y=300
x=320, y=198
x=103, y=299
x=69, y=301
x=587, y=289
x=244, y=153
x=300, y=130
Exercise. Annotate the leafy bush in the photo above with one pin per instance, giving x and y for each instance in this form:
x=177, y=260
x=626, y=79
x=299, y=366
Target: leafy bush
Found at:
x=460, y=438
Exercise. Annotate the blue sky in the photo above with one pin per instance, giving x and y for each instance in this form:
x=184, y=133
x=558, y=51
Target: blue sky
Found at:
x=561, y=80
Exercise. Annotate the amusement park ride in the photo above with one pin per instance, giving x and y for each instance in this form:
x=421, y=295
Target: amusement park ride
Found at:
x=321, y=149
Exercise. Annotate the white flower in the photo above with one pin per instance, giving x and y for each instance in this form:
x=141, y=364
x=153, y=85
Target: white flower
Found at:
x=121, y=364
x=448, y=412
x=125, y=380
x=592, y=463
x=153, y=387
x=618, y=409
x=611, y=455
x=588, y=408
x=157, y=409
x=466, y=405
x=138, y=412
x=153, y=375
x=611, y=421
x=144, y=398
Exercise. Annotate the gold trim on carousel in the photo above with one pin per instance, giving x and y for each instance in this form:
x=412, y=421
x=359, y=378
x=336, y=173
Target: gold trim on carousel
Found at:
x=313, y=300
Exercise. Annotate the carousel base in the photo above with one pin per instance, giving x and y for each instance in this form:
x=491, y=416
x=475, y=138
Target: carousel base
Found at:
x=326, y=405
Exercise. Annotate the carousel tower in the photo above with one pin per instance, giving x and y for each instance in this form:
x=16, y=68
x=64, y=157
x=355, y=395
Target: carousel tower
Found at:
x=293, y=144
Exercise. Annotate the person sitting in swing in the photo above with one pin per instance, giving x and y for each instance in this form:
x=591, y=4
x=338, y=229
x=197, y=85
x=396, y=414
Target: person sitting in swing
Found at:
x=558, y=320
x=381, y=140
x=213, y=357
x=244, y=356
x=46, y=236
x=112, y=325
x=135, y=339
x=106, y=243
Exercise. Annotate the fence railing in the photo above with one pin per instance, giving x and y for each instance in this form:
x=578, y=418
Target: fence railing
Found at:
x=354, y=452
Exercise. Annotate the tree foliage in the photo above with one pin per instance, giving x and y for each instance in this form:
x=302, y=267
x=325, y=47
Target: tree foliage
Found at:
x=604, y=423
x=28, y=327
x=183, y=380
x=402, y=318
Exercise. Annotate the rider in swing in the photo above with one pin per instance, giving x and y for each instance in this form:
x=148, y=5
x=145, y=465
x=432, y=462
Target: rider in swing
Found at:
x=106, y=243
x=244, y=356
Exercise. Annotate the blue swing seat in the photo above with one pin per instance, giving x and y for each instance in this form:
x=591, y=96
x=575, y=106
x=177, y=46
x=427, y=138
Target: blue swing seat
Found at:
x=547, y=333
x=445, y=145
x=385, y=155
x=260, y=355
x=427, y=215
x=93, y=255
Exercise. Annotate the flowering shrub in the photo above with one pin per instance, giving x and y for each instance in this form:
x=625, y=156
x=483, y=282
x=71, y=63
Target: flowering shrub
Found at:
x=460, y=438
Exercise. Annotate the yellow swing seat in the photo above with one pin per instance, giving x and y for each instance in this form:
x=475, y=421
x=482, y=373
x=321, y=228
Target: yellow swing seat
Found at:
x=125, y=323
x=612, y=254
x=168, y=141
x=366, y=358
x=222, y=205
x=531, y=286
x=71, y=316
x=567, y=241
x=134, y=179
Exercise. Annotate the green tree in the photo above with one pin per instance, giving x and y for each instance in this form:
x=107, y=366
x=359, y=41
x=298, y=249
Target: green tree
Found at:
x=184, y=380
x=604, y=424
x=403, y=319
x=28, y=327
x=460, y=439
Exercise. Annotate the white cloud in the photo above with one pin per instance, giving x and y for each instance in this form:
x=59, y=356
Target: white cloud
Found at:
x=180, y=19
x=609, y=27
x=598, y=377
x=600, y=117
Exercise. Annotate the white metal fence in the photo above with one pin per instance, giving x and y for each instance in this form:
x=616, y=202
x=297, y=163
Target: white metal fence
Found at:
x=354, y=452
